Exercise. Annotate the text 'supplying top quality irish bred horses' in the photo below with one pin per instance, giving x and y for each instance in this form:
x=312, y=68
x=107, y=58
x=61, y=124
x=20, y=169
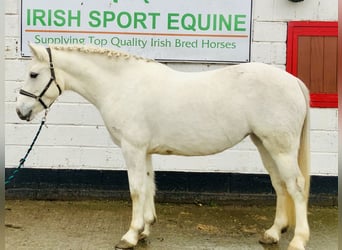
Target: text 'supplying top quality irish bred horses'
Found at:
x=149, y=108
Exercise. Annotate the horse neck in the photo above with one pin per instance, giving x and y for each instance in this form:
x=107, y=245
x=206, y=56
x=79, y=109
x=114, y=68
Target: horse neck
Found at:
x=93, y=75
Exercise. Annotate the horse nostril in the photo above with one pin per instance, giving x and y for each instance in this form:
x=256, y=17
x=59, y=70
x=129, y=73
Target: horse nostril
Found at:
x=19, y=113
x=24, y=117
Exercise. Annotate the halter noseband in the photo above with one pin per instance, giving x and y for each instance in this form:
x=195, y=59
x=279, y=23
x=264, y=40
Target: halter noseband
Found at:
x=52, y=79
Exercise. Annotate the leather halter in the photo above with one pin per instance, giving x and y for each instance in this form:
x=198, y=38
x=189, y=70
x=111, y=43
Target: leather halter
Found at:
x=52, y=79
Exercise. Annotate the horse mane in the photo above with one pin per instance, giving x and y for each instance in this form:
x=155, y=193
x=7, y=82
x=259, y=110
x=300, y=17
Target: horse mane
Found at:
x=97, y=50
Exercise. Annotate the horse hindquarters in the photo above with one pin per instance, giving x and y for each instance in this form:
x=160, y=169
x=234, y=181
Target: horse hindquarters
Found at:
x=289, y=170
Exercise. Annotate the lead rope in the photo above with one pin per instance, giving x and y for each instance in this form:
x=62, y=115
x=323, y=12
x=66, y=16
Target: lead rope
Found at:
x=22, y=160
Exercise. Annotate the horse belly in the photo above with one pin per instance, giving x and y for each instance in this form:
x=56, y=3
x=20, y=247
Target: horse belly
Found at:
x=195, y=142
x=187, y=149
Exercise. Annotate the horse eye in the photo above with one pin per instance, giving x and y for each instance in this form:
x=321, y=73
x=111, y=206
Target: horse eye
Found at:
x=33, y=75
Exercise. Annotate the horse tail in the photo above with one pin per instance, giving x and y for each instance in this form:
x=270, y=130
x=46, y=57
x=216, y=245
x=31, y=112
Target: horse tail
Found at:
x=304, y=147
x=303, y=156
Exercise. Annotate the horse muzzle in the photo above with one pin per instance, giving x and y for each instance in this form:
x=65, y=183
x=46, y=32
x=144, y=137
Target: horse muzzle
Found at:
x=22, y=116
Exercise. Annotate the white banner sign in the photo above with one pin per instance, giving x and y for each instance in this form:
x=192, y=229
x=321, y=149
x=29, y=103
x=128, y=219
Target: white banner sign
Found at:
x=175, y=30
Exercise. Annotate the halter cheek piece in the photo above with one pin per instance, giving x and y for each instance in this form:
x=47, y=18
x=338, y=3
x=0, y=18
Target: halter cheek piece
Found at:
x=52, y=79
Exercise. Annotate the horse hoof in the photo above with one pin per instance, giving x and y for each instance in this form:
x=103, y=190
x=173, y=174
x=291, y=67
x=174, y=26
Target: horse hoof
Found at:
x=124, y=245
x=267, y=240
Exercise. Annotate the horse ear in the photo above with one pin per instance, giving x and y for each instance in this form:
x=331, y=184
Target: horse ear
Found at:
x=38, y=52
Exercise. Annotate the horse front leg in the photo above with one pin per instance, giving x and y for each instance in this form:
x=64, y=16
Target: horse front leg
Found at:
x=135, y=158
x=149, y=209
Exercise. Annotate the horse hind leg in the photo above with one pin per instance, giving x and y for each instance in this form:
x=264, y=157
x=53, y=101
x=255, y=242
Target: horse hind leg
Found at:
x=286, y=161
x=295, y=184
x=284, y=202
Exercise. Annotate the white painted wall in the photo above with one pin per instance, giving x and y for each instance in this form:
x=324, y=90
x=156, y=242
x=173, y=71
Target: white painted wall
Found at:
x=76, y=138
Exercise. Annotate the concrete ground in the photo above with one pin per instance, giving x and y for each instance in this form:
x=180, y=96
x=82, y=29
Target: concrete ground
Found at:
x=94, y=225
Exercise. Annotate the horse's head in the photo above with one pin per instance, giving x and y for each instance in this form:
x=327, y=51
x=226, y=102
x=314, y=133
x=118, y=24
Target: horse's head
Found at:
x=41, y=88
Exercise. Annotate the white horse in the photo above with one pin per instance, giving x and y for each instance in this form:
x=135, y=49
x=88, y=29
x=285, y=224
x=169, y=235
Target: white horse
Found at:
x=149, y=108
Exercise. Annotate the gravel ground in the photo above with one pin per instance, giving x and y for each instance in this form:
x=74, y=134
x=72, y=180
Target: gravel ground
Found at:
x=94, y=225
